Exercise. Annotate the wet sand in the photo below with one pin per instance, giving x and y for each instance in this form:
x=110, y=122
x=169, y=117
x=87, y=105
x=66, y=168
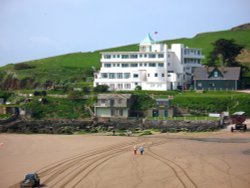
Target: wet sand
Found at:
x=219, y=159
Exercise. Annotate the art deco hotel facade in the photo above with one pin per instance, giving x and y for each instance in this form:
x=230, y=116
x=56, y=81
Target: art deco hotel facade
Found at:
x=153, y=67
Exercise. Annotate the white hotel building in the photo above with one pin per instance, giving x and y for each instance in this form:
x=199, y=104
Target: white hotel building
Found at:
x=153, y=67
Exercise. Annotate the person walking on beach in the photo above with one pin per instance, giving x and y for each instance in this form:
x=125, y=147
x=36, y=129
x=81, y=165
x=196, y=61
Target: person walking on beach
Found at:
x=135, y=149
x=141, y=150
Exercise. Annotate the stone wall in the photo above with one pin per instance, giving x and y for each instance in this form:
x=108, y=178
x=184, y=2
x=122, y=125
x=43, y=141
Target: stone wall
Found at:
x=45, y=126
x=62, y=126
x=180, y=125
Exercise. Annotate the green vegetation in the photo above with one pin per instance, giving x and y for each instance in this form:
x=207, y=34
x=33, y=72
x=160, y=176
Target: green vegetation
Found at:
x=4, y=116
x=57, y=108
x=5, y=95
x=203, y=103
x=225, y=53
x=146, y=132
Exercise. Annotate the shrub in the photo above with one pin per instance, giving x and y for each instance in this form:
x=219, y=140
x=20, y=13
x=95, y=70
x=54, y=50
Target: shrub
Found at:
x=101, y=88
x=138, y=88
x=40, y=93
x=146, y=132
x=22, y=66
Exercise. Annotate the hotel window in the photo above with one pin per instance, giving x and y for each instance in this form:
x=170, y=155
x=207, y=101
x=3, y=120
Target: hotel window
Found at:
x=212, y=84
x=151, y=64
x=113, y=56
x=121, y=112
x=126, y=75
x=145, y=55
x=107, y=56
x=135, y=75
x=124, y=65
x=107, y=65
x=102, y=101
x=160, y=55
x=119, y=101
x=113, y=64
x=151, y=55
x=145, y=64
x=162, y=75
x=169, y=75
x=168, y=55
x=133, y=56
x=141, y=56
x=119, y=75
x=160, y=64
x=216, y=74
x=112, y=86
x=156, y=74
x=134, y=65
x=140, y=64
x=119, y=86
x=124, y=56
x=104, y=75
x=111, y=75
x=168, y=64
x=143, y=48
x=118, y=64
x=148, y=75
x=127, y=86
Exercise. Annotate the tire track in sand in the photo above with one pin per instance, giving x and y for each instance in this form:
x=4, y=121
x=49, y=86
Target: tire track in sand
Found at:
x=179, y=171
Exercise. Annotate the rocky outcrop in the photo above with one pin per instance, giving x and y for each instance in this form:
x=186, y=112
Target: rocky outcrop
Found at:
x=241, y=27
x=12, y=83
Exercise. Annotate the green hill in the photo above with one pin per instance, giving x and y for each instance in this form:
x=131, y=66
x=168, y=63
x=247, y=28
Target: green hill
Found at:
x=75, y=68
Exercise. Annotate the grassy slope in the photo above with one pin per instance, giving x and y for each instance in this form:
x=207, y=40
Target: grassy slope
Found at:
x=70, y=67
x=210, y=101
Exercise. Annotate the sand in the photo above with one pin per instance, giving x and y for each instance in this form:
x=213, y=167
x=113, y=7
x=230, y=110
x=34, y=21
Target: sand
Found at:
x=219, y=159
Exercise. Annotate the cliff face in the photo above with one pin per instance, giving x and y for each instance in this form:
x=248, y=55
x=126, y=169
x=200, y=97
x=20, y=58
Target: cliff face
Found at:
x=11, y=83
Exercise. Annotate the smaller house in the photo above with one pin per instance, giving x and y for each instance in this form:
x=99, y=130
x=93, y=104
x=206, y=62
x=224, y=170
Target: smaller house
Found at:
x=1, y=100
x=9, y=110
x=113, y=105
x=213, y=78
x=163, y=109
x=2, y=110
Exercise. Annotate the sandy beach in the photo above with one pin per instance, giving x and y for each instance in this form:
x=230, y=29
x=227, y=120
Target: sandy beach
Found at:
x=218, y=159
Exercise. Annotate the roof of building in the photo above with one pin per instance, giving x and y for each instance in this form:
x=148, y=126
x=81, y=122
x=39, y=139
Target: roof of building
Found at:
x=147, y=40
x=113, y=96
x=225, y=73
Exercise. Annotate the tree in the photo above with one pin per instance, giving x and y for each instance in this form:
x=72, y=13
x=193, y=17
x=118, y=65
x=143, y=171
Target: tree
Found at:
x=224, y=52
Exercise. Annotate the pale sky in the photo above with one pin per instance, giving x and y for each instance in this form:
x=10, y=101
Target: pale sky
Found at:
x=34, y=29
